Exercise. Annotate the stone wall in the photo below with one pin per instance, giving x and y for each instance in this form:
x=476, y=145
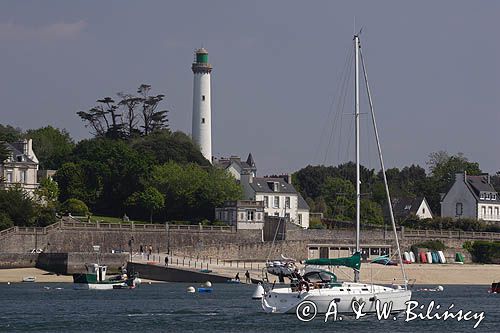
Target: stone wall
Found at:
x=17, y=260
x=81, y=240
x=69, y=263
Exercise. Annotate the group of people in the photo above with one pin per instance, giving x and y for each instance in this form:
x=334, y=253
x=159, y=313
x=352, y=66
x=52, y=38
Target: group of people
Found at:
x=147, y=249
x=247, y=277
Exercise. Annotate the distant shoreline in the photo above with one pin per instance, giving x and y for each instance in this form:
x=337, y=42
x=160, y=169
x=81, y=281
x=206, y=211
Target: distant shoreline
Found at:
x=420, y=274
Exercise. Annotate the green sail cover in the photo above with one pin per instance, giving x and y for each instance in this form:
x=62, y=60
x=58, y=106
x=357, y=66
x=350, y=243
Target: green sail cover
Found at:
x=353, y=262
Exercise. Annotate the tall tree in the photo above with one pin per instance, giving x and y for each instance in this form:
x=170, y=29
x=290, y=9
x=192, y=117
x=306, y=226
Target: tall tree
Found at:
x=129, y=117
x=9, y=133
x=52, y=146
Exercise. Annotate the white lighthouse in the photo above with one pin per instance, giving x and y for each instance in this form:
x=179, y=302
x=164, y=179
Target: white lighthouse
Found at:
x=202, y=113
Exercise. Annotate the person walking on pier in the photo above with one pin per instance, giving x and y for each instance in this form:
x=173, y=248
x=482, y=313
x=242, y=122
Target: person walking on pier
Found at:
x=166, y=261
x=247, y=277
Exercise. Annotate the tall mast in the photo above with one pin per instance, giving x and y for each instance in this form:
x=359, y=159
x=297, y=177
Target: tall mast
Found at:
x=382, y=166
x=356, y=116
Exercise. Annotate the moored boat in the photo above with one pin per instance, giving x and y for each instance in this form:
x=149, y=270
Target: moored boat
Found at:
x=324, y=289
x=95, y=279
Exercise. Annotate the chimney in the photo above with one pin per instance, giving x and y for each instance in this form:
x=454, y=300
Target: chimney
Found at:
x=30, y=148
x=25, y=147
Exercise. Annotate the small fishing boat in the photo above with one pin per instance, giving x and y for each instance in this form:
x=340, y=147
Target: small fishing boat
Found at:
x=495, y=288
x=95, y=279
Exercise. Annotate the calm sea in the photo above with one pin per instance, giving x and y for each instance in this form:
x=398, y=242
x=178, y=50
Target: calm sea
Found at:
x=52, y=307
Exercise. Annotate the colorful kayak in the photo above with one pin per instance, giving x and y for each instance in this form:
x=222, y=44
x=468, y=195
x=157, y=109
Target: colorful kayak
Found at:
x=442, y=258
x=423, y=258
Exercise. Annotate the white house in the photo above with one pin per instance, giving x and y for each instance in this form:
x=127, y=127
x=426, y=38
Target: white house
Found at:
x=279, y=196
x=235, y=166
x=471, y=197
x=406, y=207
x=20, y=167
x=244, y=214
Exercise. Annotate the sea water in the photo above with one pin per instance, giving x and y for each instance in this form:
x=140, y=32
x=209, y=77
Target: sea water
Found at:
x=167, y=307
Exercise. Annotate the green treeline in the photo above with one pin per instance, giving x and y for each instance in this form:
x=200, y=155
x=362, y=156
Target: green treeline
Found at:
x=331, y=189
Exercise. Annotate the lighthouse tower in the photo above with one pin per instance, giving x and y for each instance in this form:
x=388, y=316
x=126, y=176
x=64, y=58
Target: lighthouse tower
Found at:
x=202, y=113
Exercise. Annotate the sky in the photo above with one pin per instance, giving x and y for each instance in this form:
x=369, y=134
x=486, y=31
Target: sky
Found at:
x=433, y=69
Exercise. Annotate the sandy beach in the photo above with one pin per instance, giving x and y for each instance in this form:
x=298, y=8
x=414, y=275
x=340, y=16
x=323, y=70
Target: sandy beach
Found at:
x=417, y=273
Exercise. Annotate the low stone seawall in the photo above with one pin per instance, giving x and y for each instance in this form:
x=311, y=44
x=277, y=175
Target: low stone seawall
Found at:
x=170, y=274
x=81, y=240
x=62, y=263
x=69, y=263
x=18, y=260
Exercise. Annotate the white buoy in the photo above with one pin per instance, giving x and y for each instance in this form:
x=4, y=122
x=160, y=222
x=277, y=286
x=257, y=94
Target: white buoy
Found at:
x=8, y=282
x=191, y=289
x=207, y=284
x=440, y=288
x=259, y=292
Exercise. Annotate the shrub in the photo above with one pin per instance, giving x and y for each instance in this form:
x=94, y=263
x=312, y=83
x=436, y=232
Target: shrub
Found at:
x=75, y=207
x=5, y=221
x=434, y=245
x=485, y=252
x=316, y=224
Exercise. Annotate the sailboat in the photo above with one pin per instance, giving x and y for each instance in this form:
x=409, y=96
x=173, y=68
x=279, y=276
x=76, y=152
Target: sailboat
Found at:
x=324, y=289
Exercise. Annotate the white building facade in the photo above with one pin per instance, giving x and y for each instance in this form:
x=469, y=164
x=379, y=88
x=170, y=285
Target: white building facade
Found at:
x=279, y=197
x=243, y=214
x=21, y=167
x=472, y=197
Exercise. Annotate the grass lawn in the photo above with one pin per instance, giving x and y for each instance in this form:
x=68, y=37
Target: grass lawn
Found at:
x=108, y=219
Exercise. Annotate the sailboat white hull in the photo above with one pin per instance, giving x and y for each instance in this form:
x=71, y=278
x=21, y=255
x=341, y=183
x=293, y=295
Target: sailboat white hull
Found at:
x=284, y=300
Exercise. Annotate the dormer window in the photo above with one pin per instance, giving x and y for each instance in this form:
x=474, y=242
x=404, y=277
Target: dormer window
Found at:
x=273, y=186
x=493, y=196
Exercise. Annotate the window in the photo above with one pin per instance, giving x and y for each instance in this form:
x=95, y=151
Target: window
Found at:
x=423, y=210
x=300, y=218
x=266, y=201
x=9, y=177
x=22, y=176
x=250, y=214
x=259, y=217
x=202, y=120
x=482, y=196
x=493, y=196
x=202, y=97
x=483, y=211
x=276, y=202
x=276, y=214
x=496, y=211
x=459, y=209
x=287, y=202
x=490, y=211
x=242, y=216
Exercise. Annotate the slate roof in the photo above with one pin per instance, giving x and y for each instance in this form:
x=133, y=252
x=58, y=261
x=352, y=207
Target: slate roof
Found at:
x=302, y=204
x=261, y=185
x=17, y=149
x=403, y=207
x=478, y=184
x=248, y=165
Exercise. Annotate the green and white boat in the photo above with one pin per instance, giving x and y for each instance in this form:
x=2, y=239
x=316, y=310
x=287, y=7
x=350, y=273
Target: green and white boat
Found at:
x=95, y=279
